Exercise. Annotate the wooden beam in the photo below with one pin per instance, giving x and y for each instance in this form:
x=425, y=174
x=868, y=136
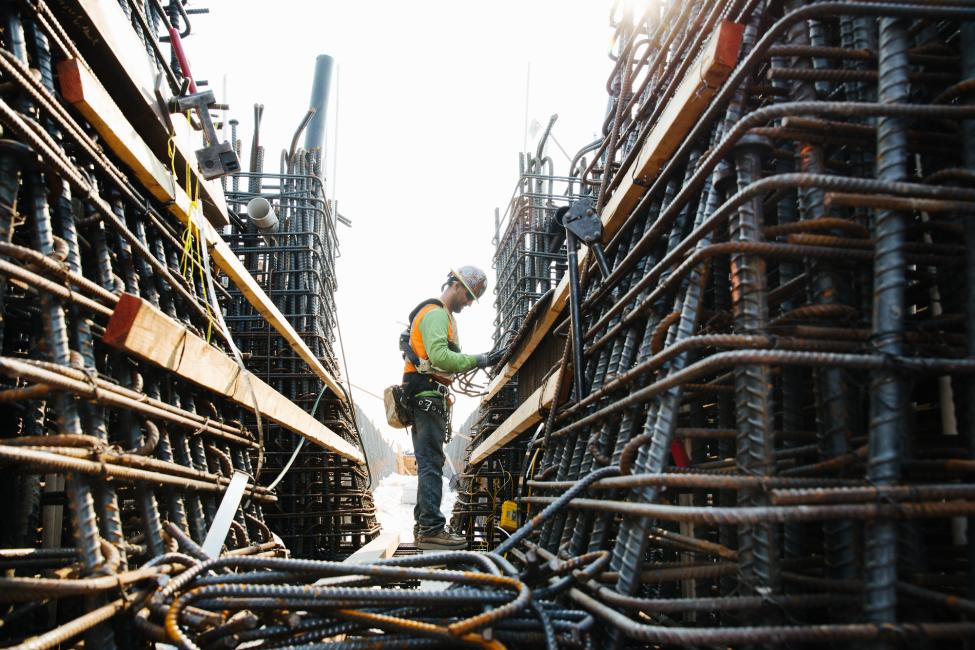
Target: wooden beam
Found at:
x=140, y=329
x=81, y=89
x=380, y=548
x=229, y=263
x=690, y=99
x=525, y=416
x=688, y=102
x=117, y=56
x=90, y=98
x=543, y=324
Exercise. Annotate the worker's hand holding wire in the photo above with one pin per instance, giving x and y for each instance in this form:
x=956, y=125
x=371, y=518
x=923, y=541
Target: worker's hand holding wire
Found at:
x=491, y=358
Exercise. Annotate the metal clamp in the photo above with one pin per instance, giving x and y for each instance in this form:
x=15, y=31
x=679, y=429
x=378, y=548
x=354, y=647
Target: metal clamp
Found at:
x=582, y=222
x=217, y=158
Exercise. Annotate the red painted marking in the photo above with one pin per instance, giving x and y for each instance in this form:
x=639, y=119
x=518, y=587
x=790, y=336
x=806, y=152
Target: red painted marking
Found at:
x=123, y=316
x=729, y=43
x=680, y=456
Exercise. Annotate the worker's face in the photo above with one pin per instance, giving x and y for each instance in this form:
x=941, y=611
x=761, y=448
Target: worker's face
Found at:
x=461, y=298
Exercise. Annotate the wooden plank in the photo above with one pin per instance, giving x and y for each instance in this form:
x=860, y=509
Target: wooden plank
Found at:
x=689, y=101
x=228, y=262
x=140, y=329
x=107, y=40
x=525, y=416
x=543, y=324
x=81, y=89
x=84, y=91
x=382, y=547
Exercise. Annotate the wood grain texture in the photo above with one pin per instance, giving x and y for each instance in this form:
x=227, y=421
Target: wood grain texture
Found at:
x=527, y=415
x=140, y=329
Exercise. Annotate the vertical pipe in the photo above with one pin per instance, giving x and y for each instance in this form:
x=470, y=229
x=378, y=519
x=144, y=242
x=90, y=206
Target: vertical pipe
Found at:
x=315, y=134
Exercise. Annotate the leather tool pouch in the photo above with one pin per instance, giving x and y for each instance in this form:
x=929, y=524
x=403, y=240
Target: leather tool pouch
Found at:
x=399, y=414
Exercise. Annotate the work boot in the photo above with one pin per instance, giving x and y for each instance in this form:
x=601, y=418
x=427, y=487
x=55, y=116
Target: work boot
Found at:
x=441, y=541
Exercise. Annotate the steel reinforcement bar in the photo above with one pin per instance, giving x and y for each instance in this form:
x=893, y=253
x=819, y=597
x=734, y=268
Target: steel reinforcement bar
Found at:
x=788, y=299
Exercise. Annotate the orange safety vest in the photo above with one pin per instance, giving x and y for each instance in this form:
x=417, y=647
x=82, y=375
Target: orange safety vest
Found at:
x=416, y=342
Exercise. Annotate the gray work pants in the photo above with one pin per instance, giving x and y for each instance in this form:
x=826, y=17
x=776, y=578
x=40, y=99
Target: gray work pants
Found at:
x=429, y=431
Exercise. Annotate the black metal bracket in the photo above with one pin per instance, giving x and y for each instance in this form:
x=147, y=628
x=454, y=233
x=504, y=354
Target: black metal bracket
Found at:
x=582, y=224
x=217, y=158
x=582, y=221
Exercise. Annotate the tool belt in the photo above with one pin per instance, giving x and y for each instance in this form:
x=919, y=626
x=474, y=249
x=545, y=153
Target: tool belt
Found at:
x=418, y=382
x=442, y=406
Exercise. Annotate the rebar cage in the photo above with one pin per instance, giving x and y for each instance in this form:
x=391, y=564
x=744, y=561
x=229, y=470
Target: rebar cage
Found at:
x=781, y=351
x=769, y=441
x=529, y=257
x=325, y=509
x=109, y=460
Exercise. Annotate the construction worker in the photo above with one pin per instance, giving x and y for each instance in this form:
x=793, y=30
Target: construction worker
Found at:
x=432, y=354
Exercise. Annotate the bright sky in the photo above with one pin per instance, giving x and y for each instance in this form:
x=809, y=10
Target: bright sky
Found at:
x=423, y=145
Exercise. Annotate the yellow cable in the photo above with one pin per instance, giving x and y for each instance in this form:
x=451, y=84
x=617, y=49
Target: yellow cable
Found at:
x=192, y=237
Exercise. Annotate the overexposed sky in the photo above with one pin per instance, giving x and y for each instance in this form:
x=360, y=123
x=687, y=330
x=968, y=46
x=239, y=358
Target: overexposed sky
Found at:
x=426, y=123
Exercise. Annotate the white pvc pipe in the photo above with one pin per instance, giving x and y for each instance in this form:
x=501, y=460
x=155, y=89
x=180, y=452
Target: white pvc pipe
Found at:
x=262, y=214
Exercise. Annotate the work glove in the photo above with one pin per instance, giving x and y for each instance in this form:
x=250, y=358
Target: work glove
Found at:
x=490, y=358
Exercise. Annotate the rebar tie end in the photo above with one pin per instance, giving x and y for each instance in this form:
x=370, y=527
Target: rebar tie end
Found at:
x=203, y=427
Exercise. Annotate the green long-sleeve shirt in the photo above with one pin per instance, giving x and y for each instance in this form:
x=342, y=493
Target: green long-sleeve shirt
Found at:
x=443, y=353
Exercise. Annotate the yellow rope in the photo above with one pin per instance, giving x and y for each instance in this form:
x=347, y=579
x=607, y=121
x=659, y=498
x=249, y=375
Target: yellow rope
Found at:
x=192, y=237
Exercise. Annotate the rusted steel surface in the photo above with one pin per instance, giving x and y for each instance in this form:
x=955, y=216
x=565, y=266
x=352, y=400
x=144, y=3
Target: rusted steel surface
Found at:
x=325, y=508
x=111, y=463
x=790, y=299
x=765, y=440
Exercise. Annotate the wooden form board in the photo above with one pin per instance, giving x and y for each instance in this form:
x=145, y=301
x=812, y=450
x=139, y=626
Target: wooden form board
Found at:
x=380, y=548
x=91, y=99
x=119, y=58
x=689, y=101
x=141, y=329
x=543, y=324
x=525, y=416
